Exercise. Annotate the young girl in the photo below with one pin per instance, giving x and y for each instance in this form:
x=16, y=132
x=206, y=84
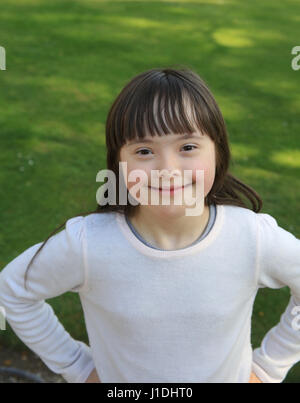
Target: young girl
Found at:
x=166, y=297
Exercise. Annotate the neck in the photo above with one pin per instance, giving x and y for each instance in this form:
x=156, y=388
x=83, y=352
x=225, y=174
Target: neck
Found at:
x=168, y=232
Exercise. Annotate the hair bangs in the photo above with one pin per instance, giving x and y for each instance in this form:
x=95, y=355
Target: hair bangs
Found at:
x=163, y=106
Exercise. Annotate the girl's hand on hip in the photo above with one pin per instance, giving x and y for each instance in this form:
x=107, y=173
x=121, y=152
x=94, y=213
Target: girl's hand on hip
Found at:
x=254, y=378
x=93, y=377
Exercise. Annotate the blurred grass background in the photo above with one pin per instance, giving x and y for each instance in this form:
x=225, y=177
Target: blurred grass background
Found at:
x=66, y=61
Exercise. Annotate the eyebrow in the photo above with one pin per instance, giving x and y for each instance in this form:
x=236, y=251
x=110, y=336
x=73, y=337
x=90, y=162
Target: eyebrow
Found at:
x=180, y=137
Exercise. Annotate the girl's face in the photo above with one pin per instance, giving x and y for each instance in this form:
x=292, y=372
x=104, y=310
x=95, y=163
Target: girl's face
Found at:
x=171, y=155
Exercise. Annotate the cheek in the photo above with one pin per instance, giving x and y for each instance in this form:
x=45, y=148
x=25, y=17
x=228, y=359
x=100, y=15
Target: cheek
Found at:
x=134, y=178
x=209, y=174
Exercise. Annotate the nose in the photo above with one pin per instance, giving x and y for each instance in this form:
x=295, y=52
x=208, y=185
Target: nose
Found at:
x=168, y=167
x=167, y=174
x=169, y=177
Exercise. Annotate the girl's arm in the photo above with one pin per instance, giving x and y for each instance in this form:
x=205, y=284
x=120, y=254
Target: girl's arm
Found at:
x=56, y=269
x=278, y=266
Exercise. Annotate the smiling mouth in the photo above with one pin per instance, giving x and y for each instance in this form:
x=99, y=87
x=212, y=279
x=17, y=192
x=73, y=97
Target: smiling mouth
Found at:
x=171, y=189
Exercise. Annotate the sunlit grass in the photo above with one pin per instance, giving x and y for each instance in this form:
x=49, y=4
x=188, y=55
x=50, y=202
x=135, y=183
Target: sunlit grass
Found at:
x=68, y=60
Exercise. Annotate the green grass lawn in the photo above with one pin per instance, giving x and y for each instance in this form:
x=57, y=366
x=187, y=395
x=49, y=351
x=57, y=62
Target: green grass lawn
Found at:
x=66, y=61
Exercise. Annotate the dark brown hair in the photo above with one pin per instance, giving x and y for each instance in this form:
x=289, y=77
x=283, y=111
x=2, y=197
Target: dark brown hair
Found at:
x=163, y=91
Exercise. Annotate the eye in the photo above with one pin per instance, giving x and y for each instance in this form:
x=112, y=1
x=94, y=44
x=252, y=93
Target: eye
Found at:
x=190, y=145
x=144, y=149
x=141, y=152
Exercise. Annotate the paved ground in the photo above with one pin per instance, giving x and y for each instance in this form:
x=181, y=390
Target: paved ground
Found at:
x=26, y=361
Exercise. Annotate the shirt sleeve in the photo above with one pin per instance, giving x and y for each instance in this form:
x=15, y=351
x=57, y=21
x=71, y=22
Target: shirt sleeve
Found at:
x=57, y=268
x=278, y=266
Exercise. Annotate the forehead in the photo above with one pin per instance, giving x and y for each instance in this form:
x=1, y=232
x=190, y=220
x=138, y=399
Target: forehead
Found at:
x=168, y=138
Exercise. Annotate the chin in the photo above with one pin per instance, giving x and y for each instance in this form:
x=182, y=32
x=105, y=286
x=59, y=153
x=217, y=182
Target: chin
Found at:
x=169, y=211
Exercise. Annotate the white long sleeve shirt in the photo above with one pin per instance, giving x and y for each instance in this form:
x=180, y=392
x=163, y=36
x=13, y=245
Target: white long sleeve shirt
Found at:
x=159, y=315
